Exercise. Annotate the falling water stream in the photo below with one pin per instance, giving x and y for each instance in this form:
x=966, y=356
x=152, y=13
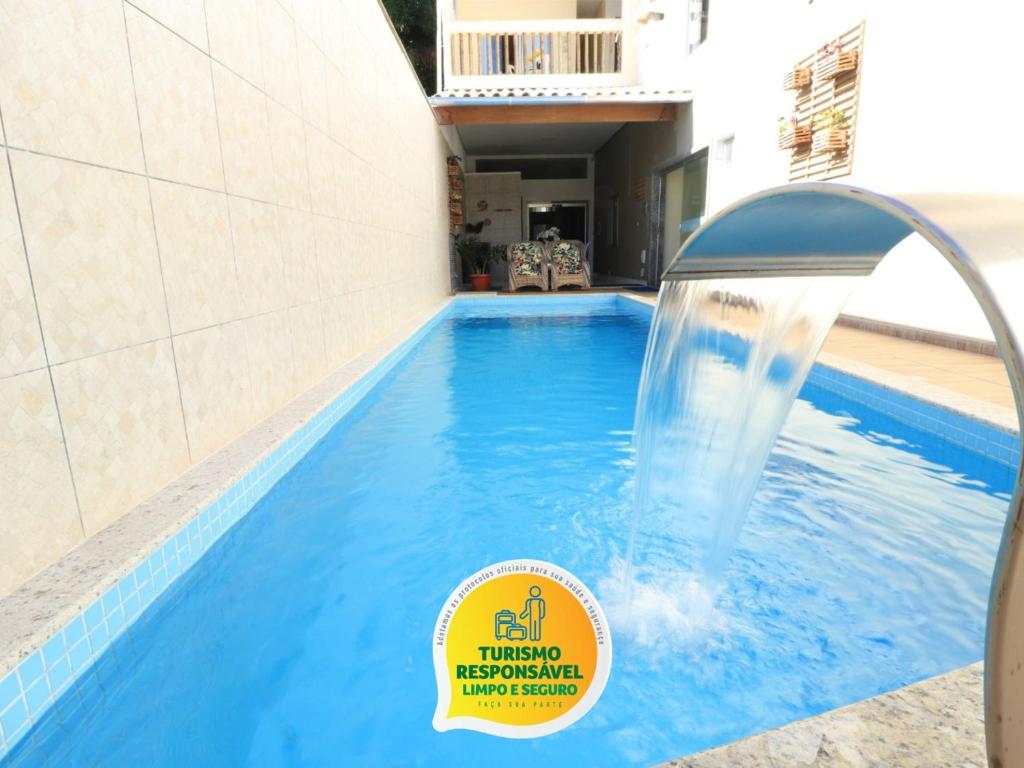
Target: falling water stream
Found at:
x=725, y=361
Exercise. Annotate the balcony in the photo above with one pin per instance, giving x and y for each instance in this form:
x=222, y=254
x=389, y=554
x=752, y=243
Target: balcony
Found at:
x=529, y=53
x=504, y=62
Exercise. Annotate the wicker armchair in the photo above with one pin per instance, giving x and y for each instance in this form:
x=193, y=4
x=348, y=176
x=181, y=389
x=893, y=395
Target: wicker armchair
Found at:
x=527, y=265
x=569, y=264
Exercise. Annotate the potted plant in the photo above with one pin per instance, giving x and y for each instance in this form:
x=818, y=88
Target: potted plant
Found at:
x=477, y=257
x=792, y=135
x=830, y=133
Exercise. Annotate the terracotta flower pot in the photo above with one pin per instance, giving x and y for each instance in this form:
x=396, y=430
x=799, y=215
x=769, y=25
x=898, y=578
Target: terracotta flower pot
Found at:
x=480, y=282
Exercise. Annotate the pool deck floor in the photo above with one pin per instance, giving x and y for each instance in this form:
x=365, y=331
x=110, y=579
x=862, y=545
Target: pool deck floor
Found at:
x=967, y=373
x=936, y=723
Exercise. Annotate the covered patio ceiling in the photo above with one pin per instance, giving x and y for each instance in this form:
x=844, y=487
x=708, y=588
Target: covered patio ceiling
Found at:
x=544, y=139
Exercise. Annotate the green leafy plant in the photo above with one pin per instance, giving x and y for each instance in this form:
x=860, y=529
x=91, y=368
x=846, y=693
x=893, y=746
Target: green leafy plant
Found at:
x=829, y=118
x=415, y=23
x=785, y=125
x=477, y=256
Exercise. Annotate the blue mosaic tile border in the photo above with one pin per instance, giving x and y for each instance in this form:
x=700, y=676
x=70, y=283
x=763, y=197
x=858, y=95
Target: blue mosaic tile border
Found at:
x=527, y=304
x=985, y=439
x=635, y=306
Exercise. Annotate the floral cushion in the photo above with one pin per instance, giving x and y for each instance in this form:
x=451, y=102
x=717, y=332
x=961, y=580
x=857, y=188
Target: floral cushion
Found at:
x=567, y=259
x=526, y=259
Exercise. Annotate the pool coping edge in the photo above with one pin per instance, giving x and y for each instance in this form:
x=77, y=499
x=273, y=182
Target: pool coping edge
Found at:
x=896, y=729
x=991, y=414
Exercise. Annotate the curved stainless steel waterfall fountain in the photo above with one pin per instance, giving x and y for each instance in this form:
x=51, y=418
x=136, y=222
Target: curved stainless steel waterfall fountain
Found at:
x=832, y=229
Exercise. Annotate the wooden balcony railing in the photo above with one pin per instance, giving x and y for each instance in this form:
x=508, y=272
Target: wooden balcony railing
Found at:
x=516, y=50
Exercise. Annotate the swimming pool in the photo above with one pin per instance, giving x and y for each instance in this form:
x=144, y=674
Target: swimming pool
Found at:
x=303, y=635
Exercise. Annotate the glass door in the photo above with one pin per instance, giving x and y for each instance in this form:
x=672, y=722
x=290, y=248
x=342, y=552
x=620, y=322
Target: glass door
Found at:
x=684, y=191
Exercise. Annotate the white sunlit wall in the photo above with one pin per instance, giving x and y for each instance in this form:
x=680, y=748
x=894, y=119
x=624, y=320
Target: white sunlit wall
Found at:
x=932, y=98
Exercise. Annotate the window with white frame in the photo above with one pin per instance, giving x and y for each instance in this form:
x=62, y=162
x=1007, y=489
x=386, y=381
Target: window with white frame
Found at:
x=723, y=150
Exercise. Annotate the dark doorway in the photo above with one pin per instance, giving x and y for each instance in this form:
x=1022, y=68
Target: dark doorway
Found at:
x=570, y=218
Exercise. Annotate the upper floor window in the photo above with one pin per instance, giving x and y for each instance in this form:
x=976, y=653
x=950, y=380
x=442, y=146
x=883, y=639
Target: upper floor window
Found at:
x=723, y=150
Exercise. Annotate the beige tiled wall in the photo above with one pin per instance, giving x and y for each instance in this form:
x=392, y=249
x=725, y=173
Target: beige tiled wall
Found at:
x=205, y=206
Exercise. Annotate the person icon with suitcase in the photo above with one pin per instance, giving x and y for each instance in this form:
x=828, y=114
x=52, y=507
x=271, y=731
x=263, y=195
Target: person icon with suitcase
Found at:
x=534, y=612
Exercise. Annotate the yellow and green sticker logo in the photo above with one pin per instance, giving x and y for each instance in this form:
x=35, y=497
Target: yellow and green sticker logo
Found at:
x=521, y=649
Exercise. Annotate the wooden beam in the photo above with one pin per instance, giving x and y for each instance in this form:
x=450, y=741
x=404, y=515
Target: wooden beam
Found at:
x=537, y=114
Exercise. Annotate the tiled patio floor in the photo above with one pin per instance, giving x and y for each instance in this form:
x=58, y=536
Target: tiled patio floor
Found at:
x=979, y=376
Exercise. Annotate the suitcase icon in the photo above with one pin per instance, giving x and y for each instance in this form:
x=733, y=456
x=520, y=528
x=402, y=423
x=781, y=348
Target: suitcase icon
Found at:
x=506, y=626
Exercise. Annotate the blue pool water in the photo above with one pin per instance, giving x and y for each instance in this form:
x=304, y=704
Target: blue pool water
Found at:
x=304, y=636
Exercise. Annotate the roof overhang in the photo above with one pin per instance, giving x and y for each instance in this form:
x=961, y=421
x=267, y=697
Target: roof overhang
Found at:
x=524, y=106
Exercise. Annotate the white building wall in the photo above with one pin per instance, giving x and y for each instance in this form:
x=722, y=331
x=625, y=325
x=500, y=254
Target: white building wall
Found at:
x=937, y=112
x=503, y=196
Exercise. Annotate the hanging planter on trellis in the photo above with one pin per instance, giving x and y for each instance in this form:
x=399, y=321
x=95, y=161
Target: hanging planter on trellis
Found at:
x=796, y=78
x=794, y=136
x=830, y=131
x=832, y=63
x=830, y=140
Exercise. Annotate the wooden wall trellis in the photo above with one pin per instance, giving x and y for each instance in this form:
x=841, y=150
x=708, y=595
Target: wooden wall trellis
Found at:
x=456, y=196
x=821, y=94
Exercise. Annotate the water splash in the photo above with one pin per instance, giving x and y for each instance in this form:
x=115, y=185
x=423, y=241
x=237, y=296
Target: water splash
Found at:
x=725, y=361
x=661, y=611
